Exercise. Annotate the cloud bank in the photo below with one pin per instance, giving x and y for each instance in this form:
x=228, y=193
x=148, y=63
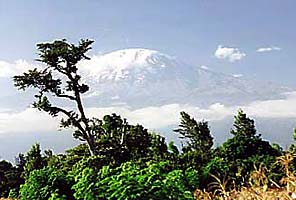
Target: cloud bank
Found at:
x=154, y=117
x=229, y=53
x=28, y=120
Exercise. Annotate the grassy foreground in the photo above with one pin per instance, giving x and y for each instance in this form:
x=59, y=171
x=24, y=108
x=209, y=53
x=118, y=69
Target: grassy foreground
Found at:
x=258, y=193
x=255, y=193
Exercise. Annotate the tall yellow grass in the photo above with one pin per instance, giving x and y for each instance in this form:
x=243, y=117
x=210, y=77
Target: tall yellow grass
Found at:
x=258, y=189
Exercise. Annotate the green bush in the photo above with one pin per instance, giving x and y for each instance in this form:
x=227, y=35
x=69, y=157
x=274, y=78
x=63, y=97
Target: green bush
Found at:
x=46, y=183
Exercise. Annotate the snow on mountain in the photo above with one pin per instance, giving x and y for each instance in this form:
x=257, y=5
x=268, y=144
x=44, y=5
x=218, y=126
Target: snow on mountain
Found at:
x=143, y=77
x=126, y=64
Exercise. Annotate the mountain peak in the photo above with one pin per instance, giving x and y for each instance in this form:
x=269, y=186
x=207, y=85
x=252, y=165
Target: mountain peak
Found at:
x=120, y=64
x=136, y=76
x=139, y=56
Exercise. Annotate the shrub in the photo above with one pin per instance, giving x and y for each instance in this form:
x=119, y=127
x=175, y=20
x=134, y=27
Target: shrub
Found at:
x=46, y=183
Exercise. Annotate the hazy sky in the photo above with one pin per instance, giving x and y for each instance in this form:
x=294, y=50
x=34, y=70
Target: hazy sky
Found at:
x=191, y=30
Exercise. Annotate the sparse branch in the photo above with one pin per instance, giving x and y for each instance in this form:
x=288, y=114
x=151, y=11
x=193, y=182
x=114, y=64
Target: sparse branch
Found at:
x=66, y=96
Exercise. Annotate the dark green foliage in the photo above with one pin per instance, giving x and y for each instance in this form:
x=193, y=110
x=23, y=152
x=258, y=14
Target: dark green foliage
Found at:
x=240, y=147
x=198, y=138
x=80, y=150
x=245, y=142
x=9, y=178
x=120, y=142
x=238, y=155
x=243, y=126
x=158, y=148
x=33, y=160
x=13, y=193
x=197, y=134
x=93, y=162
x=237, y=172
x=46, y=183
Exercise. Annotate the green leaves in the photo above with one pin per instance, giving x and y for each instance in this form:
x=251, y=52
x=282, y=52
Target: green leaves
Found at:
x=46, y=183
x=131, y=181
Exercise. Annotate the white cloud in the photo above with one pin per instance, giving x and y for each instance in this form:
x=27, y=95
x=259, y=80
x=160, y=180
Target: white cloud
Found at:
x=28, y=120
x=266, y=49
x=18, y=67
x=279, y=108
x=229, y=53
x=31, y=120
x=154, y=117
x=204, y=67
x=237, y=75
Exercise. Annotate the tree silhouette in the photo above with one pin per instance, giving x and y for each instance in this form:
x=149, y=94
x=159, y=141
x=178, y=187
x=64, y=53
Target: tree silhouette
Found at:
x=198, y=138
x=243, y=125
x=60, y=80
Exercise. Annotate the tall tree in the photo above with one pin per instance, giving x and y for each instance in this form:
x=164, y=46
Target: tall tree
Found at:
x=60, y=80
x=197, y=135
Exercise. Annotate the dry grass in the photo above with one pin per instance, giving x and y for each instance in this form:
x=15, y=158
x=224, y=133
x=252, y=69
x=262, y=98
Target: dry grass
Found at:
x=251, y=193
x=258, y=189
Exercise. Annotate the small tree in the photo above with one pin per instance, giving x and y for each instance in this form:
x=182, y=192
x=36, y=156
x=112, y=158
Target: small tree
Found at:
x=33, y=160
x=60, y=80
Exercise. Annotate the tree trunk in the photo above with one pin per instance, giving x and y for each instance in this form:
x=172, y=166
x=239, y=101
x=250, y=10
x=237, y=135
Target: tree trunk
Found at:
x=91, y=146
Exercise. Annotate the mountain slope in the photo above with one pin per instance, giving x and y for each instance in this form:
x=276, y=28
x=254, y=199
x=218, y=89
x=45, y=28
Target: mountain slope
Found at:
x=143, y=77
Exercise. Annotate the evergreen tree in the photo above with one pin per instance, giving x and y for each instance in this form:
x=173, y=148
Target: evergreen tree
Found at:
x=243, y=126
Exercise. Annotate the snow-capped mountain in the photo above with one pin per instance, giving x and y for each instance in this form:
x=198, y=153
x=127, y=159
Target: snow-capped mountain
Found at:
x=143, y=77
